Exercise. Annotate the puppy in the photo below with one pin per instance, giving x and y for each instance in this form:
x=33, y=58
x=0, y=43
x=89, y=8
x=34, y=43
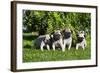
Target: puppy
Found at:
x=43, y=41
x=67, y=38
x=57, y=40
x=81, y=41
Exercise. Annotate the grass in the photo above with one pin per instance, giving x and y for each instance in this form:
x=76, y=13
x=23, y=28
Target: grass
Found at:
x=36, y=55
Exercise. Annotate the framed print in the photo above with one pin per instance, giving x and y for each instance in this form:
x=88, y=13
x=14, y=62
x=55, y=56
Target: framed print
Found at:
x=47, y=36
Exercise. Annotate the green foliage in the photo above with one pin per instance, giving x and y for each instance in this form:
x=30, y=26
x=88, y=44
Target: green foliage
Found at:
x=48, y=21
x=42, y=22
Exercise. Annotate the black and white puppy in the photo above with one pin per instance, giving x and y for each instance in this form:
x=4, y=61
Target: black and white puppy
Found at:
x=57, y=40
x=81, y=41
x=43, y=41
x=67, y=38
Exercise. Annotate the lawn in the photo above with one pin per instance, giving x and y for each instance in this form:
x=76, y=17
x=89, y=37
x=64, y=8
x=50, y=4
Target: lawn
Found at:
x=31, y=54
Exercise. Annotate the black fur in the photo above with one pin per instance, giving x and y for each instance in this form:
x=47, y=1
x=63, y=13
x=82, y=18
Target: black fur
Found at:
x=67, y=35
x=80, y=39
x=56, y=37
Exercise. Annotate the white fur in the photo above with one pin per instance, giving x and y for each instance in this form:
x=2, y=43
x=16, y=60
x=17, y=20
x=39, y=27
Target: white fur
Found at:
x=47, y=37
x=68, y=42
x=60, y=42
x=82, y=44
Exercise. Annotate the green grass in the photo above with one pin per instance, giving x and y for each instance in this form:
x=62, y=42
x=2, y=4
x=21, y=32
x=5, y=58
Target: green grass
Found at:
x=33, y=55
x=36, y=55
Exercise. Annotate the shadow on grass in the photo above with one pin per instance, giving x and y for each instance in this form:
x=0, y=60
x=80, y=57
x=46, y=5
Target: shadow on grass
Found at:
x=27, y=46
x=29, y=37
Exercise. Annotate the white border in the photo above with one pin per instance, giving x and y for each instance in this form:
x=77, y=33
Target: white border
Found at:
x=21, y=65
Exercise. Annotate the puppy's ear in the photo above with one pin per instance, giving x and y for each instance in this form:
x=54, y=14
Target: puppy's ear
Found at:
x=62, y=32
x=85, y=35
x=77, y=34
x=71, y=31
x=52, y=33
